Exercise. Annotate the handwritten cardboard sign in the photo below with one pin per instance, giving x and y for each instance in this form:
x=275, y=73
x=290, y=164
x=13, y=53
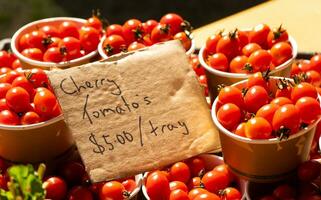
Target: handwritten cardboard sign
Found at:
x=135, y=112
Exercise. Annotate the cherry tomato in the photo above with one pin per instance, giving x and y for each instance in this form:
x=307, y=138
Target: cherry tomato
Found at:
x=239, y=65
x=184, y=38
x=243, y=37
x=95, y=23
x=149, y=25
x=260, y=60
x=4, y=87
x=114, y=44
x=50, y=31
x=18, y=99
x=68, y=29
x=33, y=53
x=80, y=193
x=277, y=35
x=3, y=106
x=223, y=168
x=70, y=46
x=231, y=193
x=248, y=49
x=267, y=112
x=135, y=45
x=193, y=193
x=38, y=78
x=23, y=41
x=229, y=115
x=30, y=118
x=228, y=45
x=22, y=81
x=36, y=40
x=157, y=186
x=16, y=64
x=56, y=188
x=284, y=191
x=11, y=76
x=255, y=98
x=112, y=190
x=44, y=101
x=194, y=183
x=4, y=182
x=281, y=52
x=215, y=181
x=196, y=165
x=259, y=35
x=89, y=38
x=4, y=70
x=284, y=92
x=314, y=78
x=280, y=101
x=161, y=33
x=178, y=195
x=257, y=79
x=8, y=117
x=218, y=61
x=114, y=29
x=309, y=170
x=240, y=130
x=180, y=172
x=174, y=21
x=286, y=116
x=52, y=42
x=258, y=128
x=309, y=109
x=4, y=59
x=129, y=185
x=211, y=43
x=303, y=90
x=315, y=63
x=307, y=188
x=132, y=30
x=174, y=185
x=53, y=54
x=231, y=94
x=207, y=196
x=197, y=67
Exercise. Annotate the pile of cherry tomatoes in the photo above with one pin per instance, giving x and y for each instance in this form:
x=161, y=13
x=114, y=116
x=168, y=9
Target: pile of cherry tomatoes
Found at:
x=67, y=41
x=199, y=70
x=250, y=51
x=259, y=112
x=70, y=182
x=134, y=34
x=191, y=180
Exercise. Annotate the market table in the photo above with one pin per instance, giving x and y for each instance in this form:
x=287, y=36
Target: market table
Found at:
x=301, y=19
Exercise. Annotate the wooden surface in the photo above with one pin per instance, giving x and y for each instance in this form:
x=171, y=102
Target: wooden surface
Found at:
x=300, y=17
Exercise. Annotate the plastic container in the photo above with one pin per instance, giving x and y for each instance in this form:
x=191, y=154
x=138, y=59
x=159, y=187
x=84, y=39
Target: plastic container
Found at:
x=29, y=63
x=104, y=56
x=264, y=160
x=216, y=77
x=41, y=142
x=210, y=162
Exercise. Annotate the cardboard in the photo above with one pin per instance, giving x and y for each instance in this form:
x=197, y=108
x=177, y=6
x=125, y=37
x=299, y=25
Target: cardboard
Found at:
x=135, y=112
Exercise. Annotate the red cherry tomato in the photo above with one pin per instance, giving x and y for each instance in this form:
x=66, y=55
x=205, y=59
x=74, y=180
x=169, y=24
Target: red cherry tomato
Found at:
x=72, y=172
x=114, y=44
x=3, y=106
x=196, y=165
x=135, y=45
x=258, y=80
x=23, y=41
x=30, y=118
x=259, y=35
x=215, y=180
x=71, y=46
x=229, y=115
x=231, y=94
x=281, y=52
x=255, y=98
x=11, y=76
x=112, y=190
x=240, y=130
x=174, y=21
x=284, y=191
x=8, y=117
x=243, y=37
x=197, y=67
x=174, y=185
x=149, y=25
x=207, y=196
x=56, y=188
x=132, y=30
x=185, y=40
x=16, y=64
x=303, y=90
x=68, y=29
x=260, y=60
x=36, y=40
x=50, y=31
x=89, y=38
x=157, y=186
x=22, y=81
x=277, y=35
x=284, y=92
x=18, y=99
x=180, y=172
x=238, y=65
x=178, y=195
x=218, y=61
x=195, y=192
x=4, y=87
x=309, y=171
x=4, y=70
x=231, y=193
x=38, y=78
x=4, y=59
x=258, y=128
x=45, y=102
x=211, y=43
x=228, y=45
x=223, y=168
x=161, y=33
x=33, y=53
x=129, y=185
x=114, y=29
x=315, y=63
x=95, y=23
x=280, y=101
x=314, y=78
x=53, y=54
x=248, y=49
x=286, y=116
x=52, y=42
x=309, y=109
x=80, y=193
x=267, y=112
x=194, y=183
